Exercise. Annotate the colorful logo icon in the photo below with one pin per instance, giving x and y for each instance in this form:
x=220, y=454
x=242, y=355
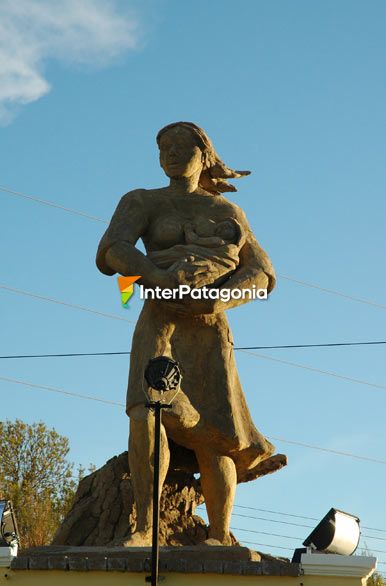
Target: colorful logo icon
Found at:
x=126, y=287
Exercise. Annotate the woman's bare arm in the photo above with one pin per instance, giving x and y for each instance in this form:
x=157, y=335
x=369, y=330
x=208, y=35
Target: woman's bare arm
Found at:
x=248, y=274
x=117, y=252
x=255, y=268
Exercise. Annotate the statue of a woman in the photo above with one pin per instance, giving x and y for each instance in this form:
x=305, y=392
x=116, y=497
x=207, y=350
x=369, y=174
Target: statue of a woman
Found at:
x=192, y=235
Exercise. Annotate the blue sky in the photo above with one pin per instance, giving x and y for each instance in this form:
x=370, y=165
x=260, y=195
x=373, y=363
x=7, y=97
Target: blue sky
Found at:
x=294, y=91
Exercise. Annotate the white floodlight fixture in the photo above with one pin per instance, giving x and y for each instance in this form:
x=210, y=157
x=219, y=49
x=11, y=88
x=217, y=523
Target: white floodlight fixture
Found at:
x=338, y=532
x=9, y=538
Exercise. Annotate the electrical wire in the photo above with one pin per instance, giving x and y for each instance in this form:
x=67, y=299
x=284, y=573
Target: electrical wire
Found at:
x=276, y=512
x=51, y=204
x=295, y=515
x=296, y=524
x=92, y=398
x=262, y=356
x=269, y=545
x=61, y=391
x=271, y=520
x=318, y=370
x=325, y=345
x=65, y=303
x=94, y=218
x=76, y=354
x=337, y=452
x=373, y=550
x=298, y=538
x=72, y=354
x=266, y=533
x=333, y=292
x=289, y=523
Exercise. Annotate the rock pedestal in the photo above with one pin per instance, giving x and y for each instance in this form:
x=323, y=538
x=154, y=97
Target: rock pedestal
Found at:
x=104, y=514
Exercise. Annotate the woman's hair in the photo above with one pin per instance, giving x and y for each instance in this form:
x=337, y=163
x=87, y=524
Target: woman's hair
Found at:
x=214, y=173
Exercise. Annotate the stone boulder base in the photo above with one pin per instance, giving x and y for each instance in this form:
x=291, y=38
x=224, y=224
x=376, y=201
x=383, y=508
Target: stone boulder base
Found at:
x=103, y=513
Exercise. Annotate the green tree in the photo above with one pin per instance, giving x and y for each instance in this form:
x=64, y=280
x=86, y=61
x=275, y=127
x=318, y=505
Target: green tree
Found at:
x=36, y=476
x=376, y=580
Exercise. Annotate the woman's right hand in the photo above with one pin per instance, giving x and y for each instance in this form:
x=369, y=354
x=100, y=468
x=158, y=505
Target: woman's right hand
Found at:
x=163, y=279
x=191, y=271
x=180, y=273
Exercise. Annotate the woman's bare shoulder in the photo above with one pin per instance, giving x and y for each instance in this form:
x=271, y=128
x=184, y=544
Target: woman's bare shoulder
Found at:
x=233, y=210
x=145, y=197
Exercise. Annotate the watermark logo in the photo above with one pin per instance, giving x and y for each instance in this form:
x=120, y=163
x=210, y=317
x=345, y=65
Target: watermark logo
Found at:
x=205, y=292
x=126, y=287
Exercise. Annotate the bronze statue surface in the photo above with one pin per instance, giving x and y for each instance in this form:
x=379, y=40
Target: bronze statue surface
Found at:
x=193, y=236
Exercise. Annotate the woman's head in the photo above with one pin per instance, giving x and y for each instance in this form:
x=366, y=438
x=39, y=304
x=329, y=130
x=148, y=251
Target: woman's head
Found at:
x=186, y=148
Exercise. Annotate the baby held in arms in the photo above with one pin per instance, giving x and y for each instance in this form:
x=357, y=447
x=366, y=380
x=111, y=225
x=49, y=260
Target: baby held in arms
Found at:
x=203, y=260
x=226, y=232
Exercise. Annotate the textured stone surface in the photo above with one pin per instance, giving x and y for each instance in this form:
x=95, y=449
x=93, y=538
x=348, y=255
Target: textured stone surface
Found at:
x=104, y=511
x=185, y=559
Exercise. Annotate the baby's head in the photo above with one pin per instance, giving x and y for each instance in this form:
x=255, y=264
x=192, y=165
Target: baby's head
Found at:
x=227, y=230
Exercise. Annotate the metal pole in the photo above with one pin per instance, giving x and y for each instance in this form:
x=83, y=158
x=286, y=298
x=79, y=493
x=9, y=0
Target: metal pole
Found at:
x=162, y=374
x=155, y=536
x=157, y=406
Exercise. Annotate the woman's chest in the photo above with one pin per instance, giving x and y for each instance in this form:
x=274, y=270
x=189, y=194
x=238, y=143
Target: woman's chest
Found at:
x=167, y=222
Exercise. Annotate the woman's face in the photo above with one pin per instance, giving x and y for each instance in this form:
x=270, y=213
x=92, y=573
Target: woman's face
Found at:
x=179, y=154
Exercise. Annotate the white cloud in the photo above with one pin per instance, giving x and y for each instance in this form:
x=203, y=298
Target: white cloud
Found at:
x=88, y=32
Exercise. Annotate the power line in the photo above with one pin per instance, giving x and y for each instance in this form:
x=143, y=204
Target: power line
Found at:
x=263, y=356
x=276, y=512
x=76, y=354
x=333, y=292
x=373, y=550
x=201, y=507
x=243, y=350
x=338, y=452
x=325, y=345
x=61, y=391
x=295, y=515
x=96, y=219
x=51, y=204
x=298, y=538
x=72, y=354
x=295, y=524
x=271, y=520
x=268, y=545
x=373, y=537
x=92, y=398
x=318, y=370
x=267, y=533
x=66, y=304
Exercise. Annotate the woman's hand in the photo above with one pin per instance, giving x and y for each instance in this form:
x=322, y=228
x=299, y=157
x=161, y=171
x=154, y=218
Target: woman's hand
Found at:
x=163, y=279
x=192, y=271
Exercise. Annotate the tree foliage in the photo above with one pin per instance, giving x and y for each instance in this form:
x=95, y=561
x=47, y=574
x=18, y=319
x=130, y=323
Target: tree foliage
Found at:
x=36, y=476
x=376, y=580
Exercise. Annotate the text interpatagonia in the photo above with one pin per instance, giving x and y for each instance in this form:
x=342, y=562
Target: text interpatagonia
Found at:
x=183, y=291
